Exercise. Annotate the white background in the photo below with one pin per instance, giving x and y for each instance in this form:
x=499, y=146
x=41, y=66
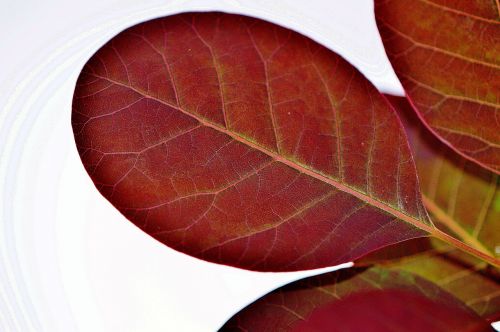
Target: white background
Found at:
x=68, y=260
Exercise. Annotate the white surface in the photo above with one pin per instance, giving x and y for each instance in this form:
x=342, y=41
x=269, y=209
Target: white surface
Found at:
x=68, y=260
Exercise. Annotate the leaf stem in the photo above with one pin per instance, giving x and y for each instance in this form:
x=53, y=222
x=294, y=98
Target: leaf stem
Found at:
x=449, y=222
x=439, y=234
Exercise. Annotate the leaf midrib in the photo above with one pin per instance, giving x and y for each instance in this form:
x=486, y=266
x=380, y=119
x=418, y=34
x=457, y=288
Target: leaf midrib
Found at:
x=453, y=225
x=294, y=165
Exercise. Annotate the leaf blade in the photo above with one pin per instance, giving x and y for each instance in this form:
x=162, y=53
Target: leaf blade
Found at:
x=175, y=125
x=447, y=58
x=374, y=299
x=473, y=282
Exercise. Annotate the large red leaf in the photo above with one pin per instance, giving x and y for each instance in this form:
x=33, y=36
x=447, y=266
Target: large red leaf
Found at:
x=244, y=143
x=447, y=56
x=373, y=299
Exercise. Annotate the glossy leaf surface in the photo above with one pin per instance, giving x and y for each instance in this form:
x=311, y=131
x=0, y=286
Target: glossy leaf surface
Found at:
x=373, y=299
x=462, y=197
x=447, y=56
x=244, y=143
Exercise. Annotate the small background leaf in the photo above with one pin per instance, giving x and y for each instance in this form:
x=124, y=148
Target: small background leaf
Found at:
x=473, y=282
x=357, y=299
x=447, y=56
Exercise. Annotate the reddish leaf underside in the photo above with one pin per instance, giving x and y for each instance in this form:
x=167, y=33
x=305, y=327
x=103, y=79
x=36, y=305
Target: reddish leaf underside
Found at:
x=241, y=142
x=374, y=299
x=447, y=56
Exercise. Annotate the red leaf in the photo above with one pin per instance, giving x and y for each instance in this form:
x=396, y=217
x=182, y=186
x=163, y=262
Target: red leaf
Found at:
x=244, y=143
x=446, y=54
x=374, y=299
x=379, y=310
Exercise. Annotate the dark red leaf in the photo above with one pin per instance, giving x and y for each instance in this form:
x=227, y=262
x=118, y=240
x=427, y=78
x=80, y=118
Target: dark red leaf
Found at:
x=388, y=310
x=447, y=56
x=240, y=142
x=374, y=299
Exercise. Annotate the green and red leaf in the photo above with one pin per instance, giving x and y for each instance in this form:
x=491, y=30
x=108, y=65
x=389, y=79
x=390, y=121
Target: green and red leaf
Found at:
x=473, y=282
x=462, y=197
x=358, y=299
